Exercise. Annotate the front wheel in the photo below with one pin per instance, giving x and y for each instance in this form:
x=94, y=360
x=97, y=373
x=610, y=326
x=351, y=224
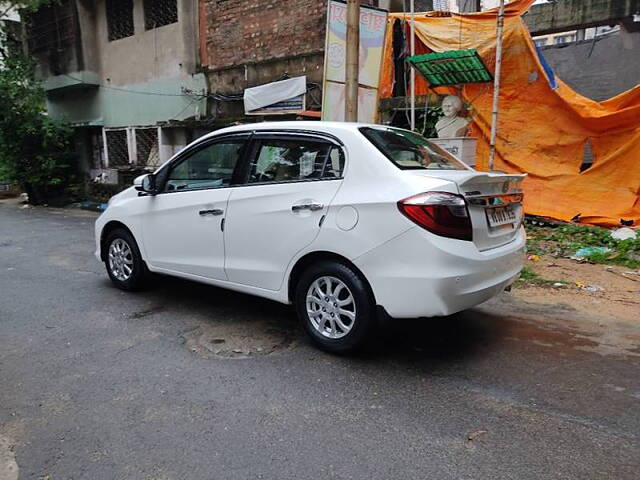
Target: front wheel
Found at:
x=123, y=261
x=336, y=307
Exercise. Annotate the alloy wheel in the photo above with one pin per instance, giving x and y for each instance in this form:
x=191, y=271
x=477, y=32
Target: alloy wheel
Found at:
x=120, y=260
x=331, y=307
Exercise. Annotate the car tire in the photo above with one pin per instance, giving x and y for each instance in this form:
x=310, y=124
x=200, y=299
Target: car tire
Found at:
x=336, y=307
x=125, y=266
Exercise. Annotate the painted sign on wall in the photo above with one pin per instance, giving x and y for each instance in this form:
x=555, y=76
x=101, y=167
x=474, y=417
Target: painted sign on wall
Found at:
x=373, y=23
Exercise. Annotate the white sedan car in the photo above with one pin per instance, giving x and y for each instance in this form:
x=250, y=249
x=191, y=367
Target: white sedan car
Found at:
x=345, y=221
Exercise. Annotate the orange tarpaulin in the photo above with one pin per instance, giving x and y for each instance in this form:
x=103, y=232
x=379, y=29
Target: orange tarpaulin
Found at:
x=541, y=131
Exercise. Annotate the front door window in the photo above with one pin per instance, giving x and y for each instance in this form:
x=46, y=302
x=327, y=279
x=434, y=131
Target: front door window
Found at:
x=209, y=167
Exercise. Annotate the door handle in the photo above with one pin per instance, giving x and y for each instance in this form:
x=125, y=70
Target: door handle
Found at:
x=215, y=211
x=314, y=207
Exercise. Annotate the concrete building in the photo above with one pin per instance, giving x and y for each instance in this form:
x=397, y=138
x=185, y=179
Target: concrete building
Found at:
x=125, y=74
x=139, y=79
x=592, y=45
x=246, y=43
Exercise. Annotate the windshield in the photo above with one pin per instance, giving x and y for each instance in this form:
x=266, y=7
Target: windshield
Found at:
x=411, y=151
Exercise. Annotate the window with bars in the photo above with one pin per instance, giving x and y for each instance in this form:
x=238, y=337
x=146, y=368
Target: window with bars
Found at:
x=147, y=152
x=119, y=19
x=52, y=31
x=160, y=12
x=117, y=148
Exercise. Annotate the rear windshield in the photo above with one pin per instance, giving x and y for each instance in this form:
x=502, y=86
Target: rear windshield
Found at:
x=411, y=151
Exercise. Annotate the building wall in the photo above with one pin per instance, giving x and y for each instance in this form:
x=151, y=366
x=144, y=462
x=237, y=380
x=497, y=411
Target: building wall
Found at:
x=124, y=89
x=241, y=31
x=139, y=80
x=598, y=69
x=251, y=42
x=560, y=16
x=163, y=52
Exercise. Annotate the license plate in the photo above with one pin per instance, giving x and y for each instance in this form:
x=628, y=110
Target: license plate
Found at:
x=501, y=216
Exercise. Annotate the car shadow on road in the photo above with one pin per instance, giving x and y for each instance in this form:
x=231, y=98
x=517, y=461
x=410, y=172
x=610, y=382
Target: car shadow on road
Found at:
x=447, y=339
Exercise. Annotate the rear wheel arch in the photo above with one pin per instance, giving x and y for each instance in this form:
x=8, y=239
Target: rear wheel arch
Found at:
x=106, y=230
x=315, y=257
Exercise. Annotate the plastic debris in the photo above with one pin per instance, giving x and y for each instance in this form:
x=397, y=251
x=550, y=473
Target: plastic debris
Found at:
x=624, y=233
x=585, y=252
x=558, y=285
x=533, y=258
x=592, y=288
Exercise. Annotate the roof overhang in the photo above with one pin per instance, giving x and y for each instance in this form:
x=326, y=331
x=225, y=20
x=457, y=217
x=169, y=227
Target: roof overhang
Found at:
x=71, y=81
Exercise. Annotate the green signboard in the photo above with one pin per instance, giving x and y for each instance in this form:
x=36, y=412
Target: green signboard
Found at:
x=453, y=67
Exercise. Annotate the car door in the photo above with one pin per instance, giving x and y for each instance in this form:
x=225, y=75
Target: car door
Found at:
x=182, y=225
x=290, y=182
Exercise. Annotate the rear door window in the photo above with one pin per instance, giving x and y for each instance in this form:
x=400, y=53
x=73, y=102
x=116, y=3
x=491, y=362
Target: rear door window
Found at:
x=293, y=160
x=410, y=151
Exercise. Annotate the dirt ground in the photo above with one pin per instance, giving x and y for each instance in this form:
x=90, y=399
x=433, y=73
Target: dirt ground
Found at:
x=604, y=290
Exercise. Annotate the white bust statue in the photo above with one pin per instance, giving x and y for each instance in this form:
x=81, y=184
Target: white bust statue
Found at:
x=451, y=125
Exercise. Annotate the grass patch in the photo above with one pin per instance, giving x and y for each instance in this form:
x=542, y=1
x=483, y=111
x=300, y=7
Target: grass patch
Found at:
x=565, y=240
x=529, y=277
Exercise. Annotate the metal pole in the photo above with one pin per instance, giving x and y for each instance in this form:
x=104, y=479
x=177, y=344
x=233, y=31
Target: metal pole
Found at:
x=496, y=86
x=352, y=60
x=412, y=70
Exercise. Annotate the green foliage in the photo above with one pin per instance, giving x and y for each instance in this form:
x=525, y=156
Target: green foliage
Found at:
x=35, y=152
x=529, y=277
x=565, y=240
x=527, y=274
x=427, y=120
x=29, y=5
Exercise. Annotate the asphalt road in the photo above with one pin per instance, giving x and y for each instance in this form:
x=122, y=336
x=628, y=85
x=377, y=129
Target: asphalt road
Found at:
x=187, y=381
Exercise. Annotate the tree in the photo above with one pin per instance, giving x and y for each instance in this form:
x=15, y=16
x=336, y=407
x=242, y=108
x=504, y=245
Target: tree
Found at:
x=35, y=152
x=32, y=5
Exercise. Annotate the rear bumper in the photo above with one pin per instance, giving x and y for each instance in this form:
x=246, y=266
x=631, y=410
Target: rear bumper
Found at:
x=419, y=274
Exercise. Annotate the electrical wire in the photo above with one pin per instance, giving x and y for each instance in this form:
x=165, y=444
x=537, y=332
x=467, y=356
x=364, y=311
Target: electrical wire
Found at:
x=187, y=92
x=222, y=97
x=176, y=116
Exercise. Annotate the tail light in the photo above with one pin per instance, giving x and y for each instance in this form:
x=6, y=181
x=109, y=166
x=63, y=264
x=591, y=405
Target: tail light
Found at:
x=442, y=213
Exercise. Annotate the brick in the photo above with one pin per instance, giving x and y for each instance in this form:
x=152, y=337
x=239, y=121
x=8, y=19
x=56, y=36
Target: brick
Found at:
x=238, y=30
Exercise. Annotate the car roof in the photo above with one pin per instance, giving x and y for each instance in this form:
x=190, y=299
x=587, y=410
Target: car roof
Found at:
x=327, y=127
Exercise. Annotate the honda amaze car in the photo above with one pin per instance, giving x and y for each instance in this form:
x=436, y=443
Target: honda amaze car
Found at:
x=343, y=220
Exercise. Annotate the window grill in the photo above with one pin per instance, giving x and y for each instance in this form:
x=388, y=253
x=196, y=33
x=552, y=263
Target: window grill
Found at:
x=147, y=151
x=117, y=148
x=119, y=19
x=159, y=12
x=52, y=29
x=97, y=149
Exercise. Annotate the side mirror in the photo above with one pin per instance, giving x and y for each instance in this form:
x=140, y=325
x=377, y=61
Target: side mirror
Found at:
x=145, y=183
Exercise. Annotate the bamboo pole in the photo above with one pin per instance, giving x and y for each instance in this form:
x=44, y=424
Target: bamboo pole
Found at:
x=412, y=70
x=352, y=61
x=496, y=86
